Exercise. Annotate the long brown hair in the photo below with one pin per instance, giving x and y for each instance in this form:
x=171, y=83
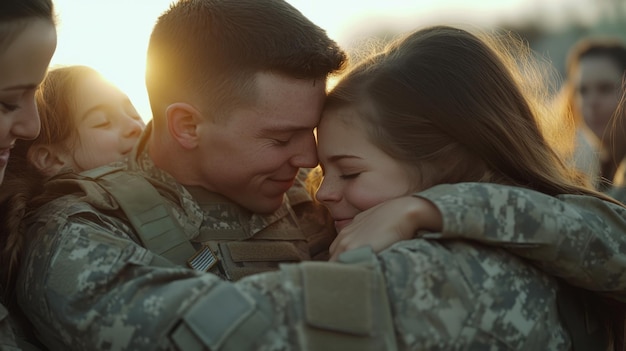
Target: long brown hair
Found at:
x=441, y=93
x=455, y=106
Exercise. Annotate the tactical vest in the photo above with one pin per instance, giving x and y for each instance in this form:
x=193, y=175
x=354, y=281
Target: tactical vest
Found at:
x=339, y=306
x=227, y=248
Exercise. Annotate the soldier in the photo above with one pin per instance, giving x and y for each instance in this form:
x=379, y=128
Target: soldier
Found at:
x=27, y=42
x=236, y=88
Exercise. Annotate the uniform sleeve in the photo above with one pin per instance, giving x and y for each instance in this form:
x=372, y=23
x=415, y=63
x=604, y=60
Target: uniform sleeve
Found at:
x=618, y=192
x=86, y=286
x=581, y=239
x=455, y=295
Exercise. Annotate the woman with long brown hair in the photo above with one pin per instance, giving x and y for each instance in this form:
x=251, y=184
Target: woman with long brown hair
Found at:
x=443, y=106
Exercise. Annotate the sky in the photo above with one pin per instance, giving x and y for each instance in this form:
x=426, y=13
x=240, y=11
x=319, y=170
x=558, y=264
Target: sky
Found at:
x=112, y=36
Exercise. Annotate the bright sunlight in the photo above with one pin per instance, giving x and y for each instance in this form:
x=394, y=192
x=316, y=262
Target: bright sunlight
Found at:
x=112, y=36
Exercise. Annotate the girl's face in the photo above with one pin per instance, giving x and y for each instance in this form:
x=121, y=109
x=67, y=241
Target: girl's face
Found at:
x=357, y=174
x=598, y=80
x=23, y=65
x=107, y=123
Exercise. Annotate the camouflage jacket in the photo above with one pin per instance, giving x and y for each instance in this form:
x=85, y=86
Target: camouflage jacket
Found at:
x=579, y=239
x=242, y=242
x=86, y=283
x=618, y=192
x=7, y=338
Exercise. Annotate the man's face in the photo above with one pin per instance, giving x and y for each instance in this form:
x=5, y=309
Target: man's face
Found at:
x=253, y=155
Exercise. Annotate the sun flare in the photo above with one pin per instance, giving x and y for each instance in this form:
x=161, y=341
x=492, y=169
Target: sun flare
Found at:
x=112, y=36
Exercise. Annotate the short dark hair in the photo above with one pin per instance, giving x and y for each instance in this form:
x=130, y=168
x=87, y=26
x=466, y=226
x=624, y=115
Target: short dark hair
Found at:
x=214, y=48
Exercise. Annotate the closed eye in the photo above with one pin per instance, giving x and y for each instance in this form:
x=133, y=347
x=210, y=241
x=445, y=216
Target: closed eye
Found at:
x=103, y=124
x=280, y=142
x=9, y=107
x=349, y=176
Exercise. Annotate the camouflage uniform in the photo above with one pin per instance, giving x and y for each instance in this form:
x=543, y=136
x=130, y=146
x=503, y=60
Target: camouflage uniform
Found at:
x=7, y=338
x=86, y=283
x=618, y=192
x=577, y=238
x=244, y=243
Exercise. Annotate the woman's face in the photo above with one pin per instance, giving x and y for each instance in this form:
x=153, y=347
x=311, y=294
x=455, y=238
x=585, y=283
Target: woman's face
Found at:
x=107, y=123
x=597, y=81
x=357, y=174
x=23, y=65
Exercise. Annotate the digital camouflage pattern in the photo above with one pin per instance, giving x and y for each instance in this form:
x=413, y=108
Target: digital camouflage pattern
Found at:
x=618, y=192
x=86, y=283
x=580, y=239
x=245, y=243
x=7, y=337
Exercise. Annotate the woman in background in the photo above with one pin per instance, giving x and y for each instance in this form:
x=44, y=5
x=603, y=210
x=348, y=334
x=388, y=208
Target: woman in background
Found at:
x=595, y=73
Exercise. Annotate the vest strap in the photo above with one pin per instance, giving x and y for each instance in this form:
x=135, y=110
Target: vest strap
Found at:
x=147, y=212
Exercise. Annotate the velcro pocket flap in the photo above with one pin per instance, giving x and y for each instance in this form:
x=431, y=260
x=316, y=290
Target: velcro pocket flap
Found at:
x=338, y=297
x=225, y=319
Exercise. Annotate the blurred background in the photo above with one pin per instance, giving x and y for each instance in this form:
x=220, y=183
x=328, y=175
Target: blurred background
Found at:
x=112, y=35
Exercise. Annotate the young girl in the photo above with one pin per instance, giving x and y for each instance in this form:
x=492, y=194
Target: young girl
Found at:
x=416, y=116
x=86, y=122
x=27, y=43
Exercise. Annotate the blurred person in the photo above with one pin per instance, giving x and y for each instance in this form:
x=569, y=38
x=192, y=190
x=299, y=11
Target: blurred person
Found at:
x=595, y=73
x=27, y=43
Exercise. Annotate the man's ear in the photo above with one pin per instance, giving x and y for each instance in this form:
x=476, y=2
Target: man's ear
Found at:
x=182, y=123
x=47, y=159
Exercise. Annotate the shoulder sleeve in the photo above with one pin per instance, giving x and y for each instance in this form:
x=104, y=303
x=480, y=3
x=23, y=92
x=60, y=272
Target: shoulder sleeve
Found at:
x=580, y=239
x=449, y=295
